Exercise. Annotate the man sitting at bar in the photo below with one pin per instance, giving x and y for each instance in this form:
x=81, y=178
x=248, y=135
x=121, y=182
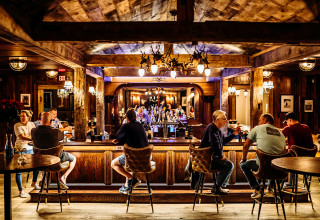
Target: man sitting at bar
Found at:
x=133, y=134
x=44, y=137
x=213, y=137
x=297, y=134
x=270, y=140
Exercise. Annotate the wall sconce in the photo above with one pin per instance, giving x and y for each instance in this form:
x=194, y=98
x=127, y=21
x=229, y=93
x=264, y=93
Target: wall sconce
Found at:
x=237, y=92
x=267, y=73
x=51, y=73
x=307, y=65
x=267, y=86
x=18, y=63
x=232, y=90
x=192, y=94
x=245, y=93
x=92, y=90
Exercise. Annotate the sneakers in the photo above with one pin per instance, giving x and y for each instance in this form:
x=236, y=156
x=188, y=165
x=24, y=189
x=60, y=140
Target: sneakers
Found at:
x=36, y=187
x=256, y=194
x=135, y=182
x=124, y=189
x=23, y=195
x=269, y=193
x=63, y=186
x=219, y=191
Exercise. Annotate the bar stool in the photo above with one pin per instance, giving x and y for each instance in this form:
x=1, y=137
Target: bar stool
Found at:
x=302, y=152
x=138, y=160
x=201, y=162
x=267, y=172
x=55, y=151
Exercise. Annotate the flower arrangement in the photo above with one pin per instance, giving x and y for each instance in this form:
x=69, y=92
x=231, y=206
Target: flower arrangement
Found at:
x=9, y=112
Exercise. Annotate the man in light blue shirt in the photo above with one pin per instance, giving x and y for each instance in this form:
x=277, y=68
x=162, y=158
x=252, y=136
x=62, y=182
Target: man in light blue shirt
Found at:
x=269, y=139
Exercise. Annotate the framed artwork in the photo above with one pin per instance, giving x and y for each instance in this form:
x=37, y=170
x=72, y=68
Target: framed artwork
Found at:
x=308, y=105
x=25, y=99
x=287, y=103
x=184, y=101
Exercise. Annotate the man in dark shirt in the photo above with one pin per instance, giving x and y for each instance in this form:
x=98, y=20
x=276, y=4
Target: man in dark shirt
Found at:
x=297, y=134
x=44, y=137
x=213, y=137
x=132, y=134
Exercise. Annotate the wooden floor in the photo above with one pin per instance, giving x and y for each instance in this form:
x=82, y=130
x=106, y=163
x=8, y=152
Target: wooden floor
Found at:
x=23, y=209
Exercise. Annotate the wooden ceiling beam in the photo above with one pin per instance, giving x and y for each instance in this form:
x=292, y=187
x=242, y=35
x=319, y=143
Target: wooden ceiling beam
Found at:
x=218, y=61
x=233, y=72
x=212, y=31
x=61, y=53
x=283, y=55
x=133, y=72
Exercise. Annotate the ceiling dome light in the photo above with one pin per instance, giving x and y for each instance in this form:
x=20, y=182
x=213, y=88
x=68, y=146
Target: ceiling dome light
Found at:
x=307, y=65
x=266, y=73
x=52, y=73
x=173, y=74
x=207, y=72
x=18, y=63
x=200, y=68
x=154, y=68
x=141, y=72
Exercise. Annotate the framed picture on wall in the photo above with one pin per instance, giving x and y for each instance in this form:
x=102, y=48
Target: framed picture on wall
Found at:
x=25, y=99
x=184, y=101
x=287, y=103
x=308, y=105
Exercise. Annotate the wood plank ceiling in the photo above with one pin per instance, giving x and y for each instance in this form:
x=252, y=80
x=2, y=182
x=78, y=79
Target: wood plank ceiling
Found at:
x=159, y=10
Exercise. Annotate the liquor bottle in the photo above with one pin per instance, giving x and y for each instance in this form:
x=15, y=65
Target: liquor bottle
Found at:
x=9, y=151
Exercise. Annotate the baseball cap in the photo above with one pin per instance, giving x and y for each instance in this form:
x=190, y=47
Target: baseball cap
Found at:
x=290, y=115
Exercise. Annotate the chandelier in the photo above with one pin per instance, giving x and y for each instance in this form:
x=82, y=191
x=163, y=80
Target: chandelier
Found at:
x=307, y=65
x=52, y=73
x=92, y=90
x=62, y=93
x=267, y=86
x=165, y=62
x=157, y=91
x=18, y=63
x=68, y=86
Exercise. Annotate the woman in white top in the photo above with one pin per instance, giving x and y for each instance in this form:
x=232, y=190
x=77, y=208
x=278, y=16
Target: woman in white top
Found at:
x=22, y=131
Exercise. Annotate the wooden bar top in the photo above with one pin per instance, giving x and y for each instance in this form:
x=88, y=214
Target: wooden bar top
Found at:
x=154, y=141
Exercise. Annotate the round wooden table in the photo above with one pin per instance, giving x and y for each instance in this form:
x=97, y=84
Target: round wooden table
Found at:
x=300, y=165
x=33, y=162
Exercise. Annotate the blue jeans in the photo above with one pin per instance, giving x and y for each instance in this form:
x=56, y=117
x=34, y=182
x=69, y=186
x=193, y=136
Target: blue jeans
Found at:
x=18, y=175
x=247, y=168
x=225, y=168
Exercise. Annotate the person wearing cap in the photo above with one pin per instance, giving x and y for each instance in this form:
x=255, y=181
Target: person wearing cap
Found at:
x=131, y=133
x=296, y=133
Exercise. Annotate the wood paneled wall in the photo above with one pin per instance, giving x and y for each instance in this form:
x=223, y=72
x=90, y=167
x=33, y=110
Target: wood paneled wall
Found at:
x=302, y=85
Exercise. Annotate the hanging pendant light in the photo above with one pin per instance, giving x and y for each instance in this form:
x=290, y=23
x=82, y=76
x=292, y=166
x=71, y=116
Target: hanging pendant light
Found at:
x=141, y=72
x=207, y=71
x=154, y=68
x=68, y=86
x=200, y=68
x=18, y=63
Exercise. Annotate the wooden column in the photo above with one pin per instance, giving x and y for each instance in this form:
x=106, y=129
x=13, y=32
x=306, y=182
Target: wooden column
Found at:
x=188, y=101
x=100, y=107
x=224, y=95
x=256, y=96
x=80, y=104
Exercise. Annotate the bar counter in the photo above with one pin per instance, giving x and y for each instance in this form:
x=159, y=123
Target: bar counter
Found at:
x=93, y=167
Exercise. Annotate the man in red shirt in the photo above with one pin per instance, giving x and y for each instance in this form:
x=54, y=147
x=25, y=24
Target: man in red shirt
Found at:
x=297, y=134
